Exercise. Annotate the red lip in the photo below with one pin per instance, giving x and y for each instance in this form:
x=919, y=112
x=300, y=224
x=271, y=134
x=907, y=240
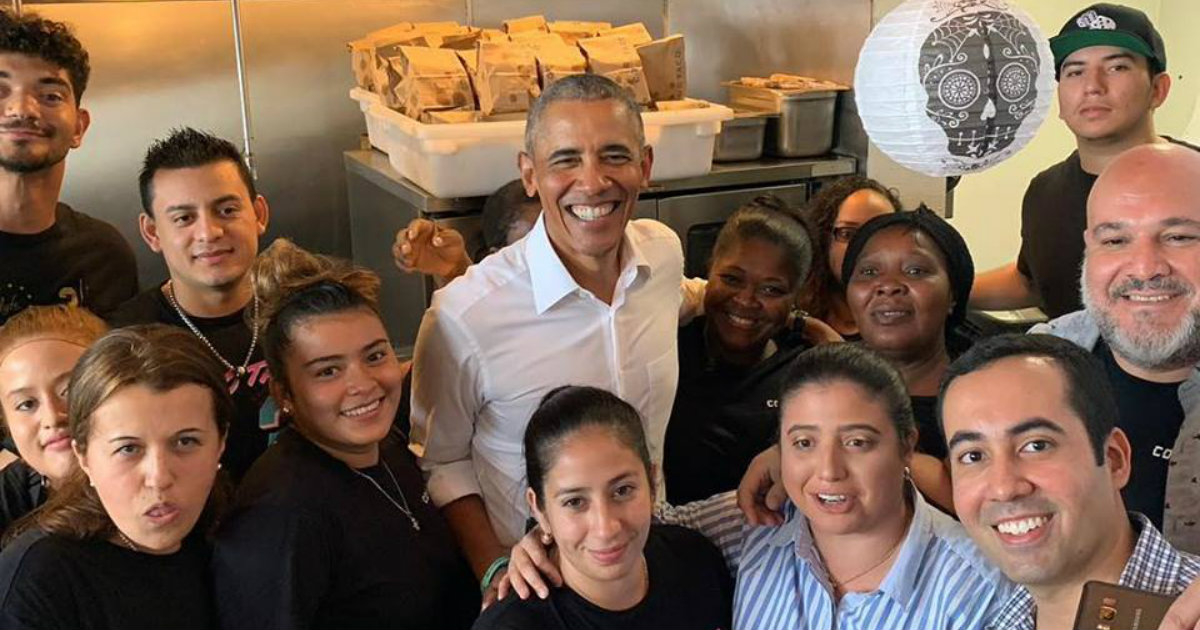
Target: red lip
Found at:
x=23, y=133
x=213, y=256
x=59, y=442
x=162, y=514
x=610, y=556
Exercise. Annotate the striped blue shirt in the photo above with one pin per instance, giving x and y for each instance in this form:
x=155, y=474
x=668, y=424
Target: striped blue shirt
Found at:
x=938, y=580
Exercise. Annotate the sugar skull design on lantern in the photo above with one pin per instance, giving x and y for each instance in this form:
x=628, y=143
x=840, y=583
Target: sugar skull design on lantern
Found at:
x=979, y=69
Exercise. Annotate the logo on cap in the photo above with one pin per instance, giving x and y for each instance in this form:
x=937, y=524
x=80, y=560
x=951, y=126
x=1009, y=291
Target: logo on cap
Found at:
x=1096, y=22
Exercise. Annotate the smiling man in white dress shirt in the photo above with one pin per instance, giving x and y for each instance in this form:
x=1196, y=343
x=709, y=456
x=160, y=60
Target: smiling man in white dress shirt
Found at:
x=586, y=298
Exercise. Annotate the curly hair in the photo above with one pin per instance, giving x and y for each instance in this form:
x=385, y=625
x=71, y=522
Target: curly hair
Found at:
x=293, y=284
x=822, y=214
x=54, y=42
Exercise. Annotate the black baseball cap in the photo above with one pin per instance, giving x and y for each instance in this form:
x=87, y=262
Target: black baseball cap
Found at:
x=1107, y=24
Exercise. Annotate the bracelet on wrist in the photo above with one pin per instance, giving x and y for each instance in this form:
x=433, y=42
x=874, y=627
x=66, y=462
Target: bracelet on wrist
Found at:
x=498, y=565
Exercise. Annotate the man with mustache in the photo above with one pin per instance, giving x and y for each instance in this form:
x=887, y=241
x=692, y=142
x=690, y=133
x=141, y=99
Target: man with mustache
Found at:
x=1038, y=467
x=1111, y=64
x=49, y=253
x=588, y=297
x=202, y=212
x=1142, y=320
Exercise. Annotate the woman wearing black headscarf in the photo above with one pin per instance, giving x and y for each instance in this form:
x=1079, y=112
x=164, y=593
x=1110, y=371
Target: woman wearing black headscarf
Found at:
x=908, y=277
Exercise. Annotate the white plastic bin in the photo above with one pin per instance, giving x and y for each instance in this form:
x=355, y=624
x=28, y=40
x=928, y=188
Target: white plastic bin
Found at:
x=474, y=159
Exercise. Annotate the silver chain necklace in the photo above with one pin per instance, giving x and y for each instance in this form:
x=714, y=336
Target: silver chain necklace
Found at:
x=125, y=541
x=239, y=369
x=403, y=508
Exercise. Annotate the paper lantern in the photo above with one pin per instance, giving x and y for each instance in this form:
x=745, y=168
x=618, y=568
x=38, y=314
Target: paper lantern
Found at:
x=949, y=87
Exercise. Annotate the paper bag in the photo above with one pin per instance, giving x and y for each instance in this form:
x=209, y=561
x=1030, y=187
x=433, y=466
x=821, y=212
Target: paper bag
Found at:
x=529, y=23
x=506, y=79
x=636, y=33
x=572, y=32
x=665, y=66
x=615, y=58
x=430, y=79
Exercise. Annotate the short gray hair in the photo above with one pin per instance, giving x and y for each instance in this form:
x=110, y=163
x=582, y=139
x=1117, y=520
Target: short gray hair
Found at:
x=583, y=87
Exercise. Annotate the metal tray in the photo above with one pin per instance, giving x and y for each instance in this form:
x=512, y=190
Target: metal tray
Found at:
x=741, y=139
x=805, y=125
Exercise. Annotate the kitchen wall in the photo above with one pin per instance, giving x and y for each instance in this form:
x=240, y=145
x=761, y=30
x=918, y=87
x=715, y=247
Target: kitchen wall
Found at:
x=159, y=65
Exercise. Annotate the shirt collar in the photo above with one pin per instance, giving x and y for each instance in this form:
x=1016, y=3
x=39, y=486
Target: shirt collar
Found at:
x=1154, y=566
x=552, y=281
x=900, y=581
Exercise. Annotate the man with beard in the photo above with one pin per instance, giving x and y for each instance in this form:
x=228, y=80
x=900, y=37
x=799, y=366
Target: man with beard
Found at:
x=1038, y=466
x=1141, y=318
x=1110, y=63
x=49, y=253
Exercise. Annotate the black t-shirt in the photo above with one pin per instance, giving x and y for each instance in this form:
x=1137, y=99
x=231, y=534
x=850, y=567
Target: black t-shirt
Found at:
x=78, y=260
x=22, y=489
x=1151, y=415
x=1053, y=219
x=690, y=587
x=50, y=581
x=255, y=421
x=929, y=435
x=310, y=544
x=723, y=416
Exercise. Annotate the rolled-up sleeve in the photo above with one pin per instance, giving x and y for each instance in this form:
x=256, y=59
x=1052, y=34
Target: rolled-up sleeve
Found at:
x=446, y=399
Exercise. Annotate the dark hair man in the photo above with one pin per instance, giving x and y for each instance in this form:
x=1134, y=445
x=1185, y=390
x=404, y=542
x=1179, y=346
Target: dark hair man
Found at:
x=1111, y=68
x=1038, y=466
x=605, y=289
x=202, y=213
x=49, y=253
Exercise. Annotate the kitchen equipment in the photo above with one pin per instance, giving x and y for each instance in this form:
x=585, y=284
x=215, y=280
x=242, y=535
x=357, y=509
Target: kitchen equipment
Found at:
x=473, y=159
x=805, y=124
x=741, y=138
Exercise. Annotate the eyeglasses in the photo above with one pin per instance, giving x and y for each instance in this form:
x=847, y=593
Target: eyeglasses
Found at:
x=844, y=234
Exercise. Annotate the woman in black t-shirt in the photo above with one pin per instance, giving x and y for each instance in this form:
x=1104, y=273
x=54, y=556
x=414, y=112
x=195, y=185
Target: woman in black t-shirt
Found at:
x=908, y=278
x=119, y=544
x=590, y=490
x=39, y=347
x=332, y=527
x=732, y=360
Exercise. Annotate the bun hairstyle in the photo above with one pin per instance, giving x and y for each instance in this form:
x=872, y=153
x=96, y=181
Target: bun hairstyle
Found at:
x=293, y=284
x=768, y=218
x=569, y=409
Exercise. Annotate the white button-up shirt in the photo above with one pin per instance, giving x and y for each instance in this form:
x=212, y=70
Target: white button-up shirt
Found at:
x=517, y=325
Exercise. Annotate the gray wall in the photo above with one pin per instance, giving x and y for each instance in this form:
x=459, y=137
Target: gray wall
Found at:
x=158, y=65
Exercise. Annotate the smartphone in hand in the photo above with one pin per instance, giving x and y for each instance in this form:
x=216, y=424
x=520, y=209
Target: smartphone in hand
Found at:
x=1106, y=606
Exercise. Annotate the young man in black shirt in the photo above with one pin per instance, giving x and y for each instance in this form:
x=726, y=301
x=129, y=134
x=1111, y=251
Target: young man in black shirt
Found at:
x=1111, y=68
x=1141, y=291
x=203, y=214
x=49, y=253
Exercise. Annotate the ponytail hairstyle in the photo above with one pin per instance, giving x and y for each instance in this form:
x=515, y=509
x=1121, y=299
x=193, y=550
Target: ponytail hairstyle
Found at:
x=71, y=324
x=159, y=357
x=293, y=284
x=569, y=409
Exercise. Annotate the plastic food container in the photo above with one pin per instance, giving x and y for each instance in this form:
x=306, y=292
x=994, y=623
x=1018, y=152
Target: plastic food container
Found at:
x=474, y=159
x=805, y=126
x=741, y=139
